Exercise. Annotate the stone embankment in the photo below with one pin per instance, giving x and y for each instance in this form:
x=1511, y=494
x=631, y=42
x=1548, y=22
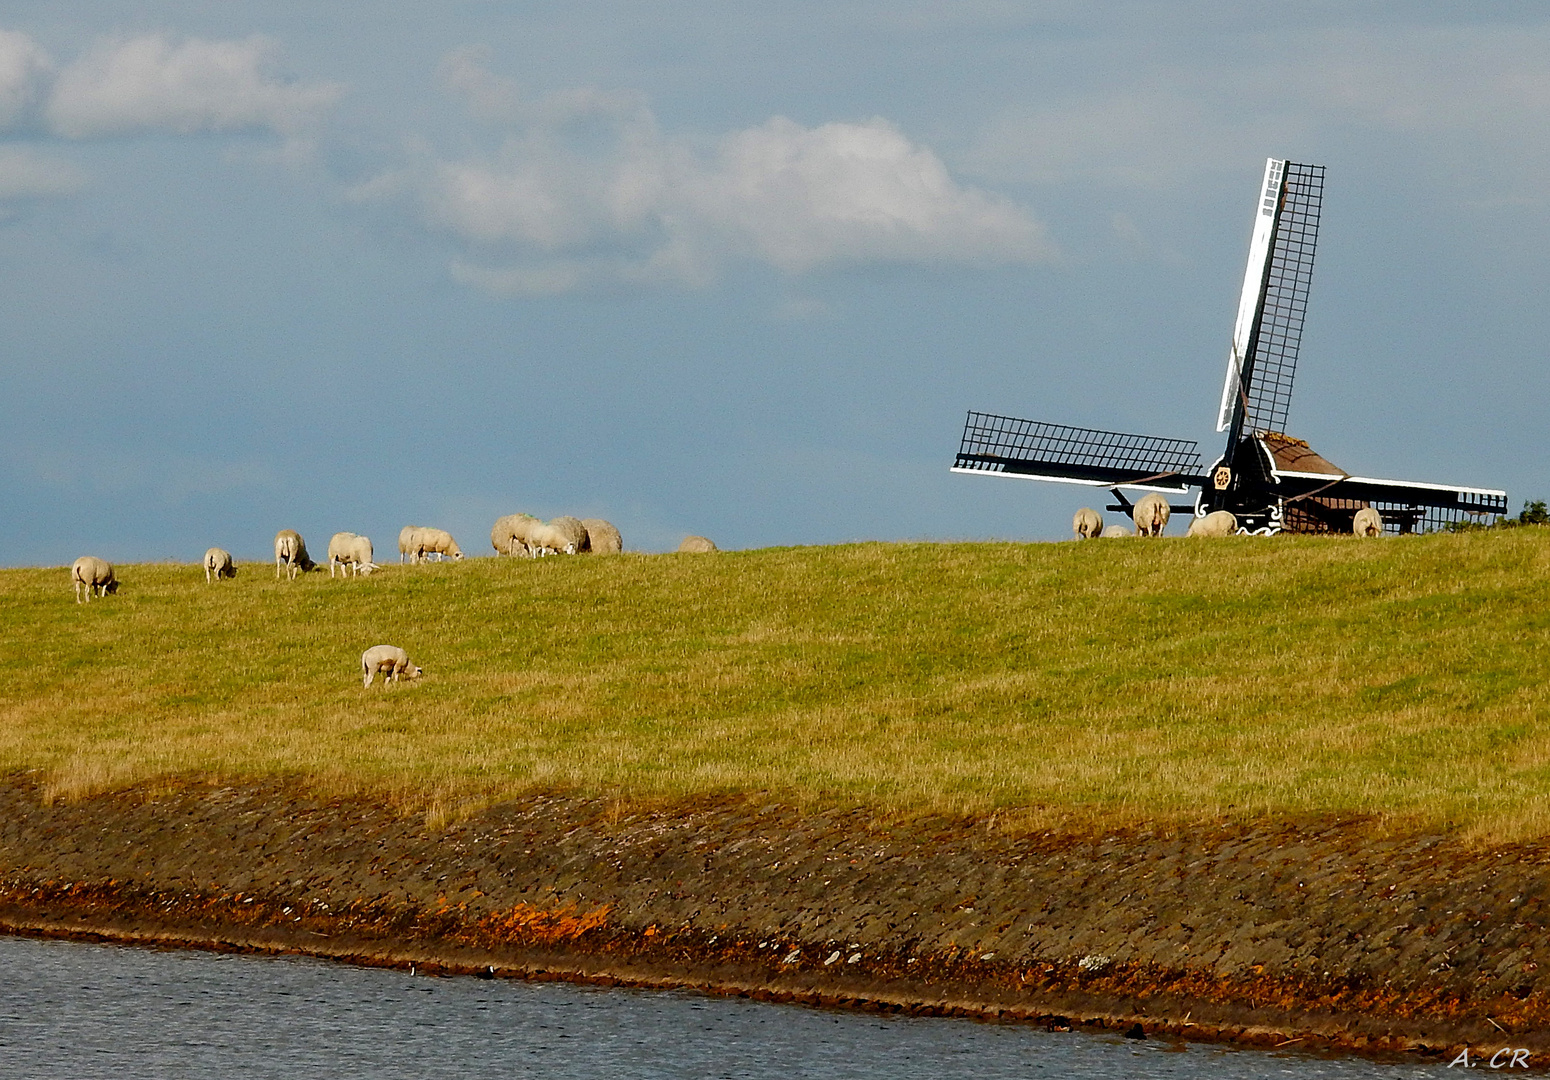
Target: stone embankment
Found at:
x=1324, y=934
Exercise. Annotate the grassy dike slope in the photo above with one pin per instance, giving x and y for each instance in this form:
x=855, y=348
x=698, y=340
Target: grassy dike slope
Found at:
x=1172, y=680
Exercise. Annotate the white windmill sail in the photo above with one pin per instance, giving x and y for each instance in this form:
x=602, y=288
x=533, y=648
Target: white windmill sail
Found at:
x=1253, y=289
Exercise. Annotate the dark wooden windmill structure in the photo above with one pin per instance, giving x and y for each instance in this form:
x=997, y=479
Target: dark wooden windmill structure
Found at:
x=1269, y=480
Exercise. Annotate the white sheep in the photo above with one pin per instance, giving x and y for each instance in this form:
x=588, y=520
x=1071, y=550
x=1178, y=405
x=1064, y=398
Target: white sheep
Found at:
x=392, y=661
x=1087, y=523
x=509, y=534
x=1150, y=514
x=602, y=538
x=544, y=538
x=290, y=551
x=575, y=534
x=697, y=544
x=351, y=553
x=406, y=537
x=1216, y=523
x=1367, y=522
x=437, y=542
x=219, y=564
x=93, y=574
x=1112, y=531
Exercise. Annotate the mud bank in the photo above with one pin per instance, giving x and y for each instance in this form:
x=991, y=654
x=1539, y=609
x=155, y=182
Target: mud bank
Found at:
x=1324, y=933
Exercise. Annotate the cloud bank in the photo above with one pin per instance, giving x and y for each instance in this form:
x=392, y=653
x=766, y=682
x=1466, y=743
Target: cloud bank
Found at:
x=152, y=84
x=586, y=189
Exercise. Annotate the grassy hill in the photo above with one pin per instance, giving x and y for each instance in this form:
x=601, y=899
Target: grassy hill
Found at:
x=1176, y=679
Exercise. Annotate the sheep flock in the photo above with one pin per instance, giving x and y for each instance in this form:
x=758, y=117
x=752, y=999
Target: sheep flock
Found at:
x=1151, y=513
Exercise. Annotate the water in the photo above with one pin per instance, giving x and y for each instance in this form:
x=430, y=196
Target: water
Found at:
x=86, y=1011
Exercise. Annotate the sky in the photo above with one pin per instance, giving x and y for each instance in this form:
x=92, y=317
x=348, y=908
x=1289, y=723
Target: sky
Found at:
x=733, y=269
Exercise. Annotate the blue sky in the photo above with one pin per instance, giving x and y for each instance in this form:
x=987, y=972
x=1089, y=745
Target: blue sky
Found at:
x=731, y=269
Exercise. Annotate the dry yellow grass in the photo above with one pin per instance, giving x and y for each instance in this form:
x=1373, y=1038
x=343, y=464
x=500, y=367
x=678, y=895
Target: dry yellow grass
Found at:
x=1165, y=680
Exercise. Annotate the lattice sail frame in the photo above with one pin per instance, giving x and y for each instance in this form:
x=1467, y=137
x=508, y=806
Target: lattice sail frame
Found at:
x=1263, y=359
x=1074, y=455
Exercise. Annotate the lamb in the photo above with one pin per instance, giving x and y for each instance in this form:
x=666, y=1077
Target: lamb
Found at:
x=1150, y=514
x=1367, y=522
x=1087, y=524
x=575, y=534
x=1111, y=531
x=602, y=538
x=696, y=544
x=290, y=551
x=350, y=552
x=219, y=564
x=509, y=535
x=545, y=537
x=1216, y=523
x=392, y=661
x=95, y=575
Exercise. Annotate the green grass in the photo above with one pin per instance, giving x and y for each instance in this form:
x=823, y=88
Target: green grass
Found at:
x=1174, y=679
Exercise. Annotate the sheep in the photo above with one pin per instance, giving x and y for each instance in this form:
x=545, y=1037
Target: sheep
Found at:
x=509, y=535
x=1111, y=531
x=438, y=542
x=602, y=538
x=1367, y=522
x=696, y=544
x=94, y=575
x=1087, y=523
x=290, y=551
x=544, y=538
x=1150, y=514
x=1216, y=523
x=406, y=542
x=575, y=534
x=219, y=564
x=391, y=661
x=350, y=552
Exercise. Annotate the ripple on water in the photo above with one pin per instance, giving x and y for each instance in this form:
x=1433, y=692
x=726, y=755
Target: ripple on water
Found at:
x=86, y=1011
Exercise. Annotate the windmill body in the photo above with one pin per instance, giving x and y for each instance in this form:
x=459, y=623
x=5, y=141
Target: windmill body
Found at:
x=1270, y=481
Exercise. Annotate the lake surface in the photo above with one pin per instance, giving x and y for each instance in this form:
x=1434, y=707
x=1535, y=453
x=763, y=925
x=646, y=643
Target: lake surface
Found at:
x=85, y=1011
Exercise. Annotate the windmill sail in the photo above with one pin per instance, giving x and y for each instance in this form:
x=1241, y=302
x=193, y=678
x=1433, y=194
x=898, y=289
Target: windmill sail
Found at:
x=1262, y=362
x=1073, y=455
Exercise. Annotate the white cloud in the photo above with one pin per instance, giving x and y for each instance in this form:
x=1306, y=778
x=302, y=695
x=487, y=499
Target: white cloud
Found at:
x=26, y=174
x=23, y=68
x=148, y=83
x=587, y=190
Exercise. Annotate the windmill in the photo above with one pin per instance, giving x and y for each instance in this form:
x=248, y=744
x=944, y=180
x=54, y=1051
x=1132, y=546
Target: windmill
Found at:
x=1269, y=480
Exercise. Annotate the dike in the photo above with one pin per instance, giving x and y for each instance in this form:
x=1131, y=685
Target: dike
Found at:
x=1320, y=934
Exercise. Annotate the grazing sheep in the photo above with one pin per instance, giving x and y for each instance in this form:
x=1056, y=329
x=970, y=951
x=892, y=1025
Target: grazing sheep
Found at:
x=93, y=574
x=406, y=538
x=1367, y=522
x=1111, y=531
x=1150, y=514
x=544, y=538
x=350, y=552
x=696, y=544
x=602, y=538
x=575, y=534
x=1087, y=523
x=509, y=535
x=1216, y=523
x=437, y=542
x=219, y=564
x=290, y=551
x=391, y=661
